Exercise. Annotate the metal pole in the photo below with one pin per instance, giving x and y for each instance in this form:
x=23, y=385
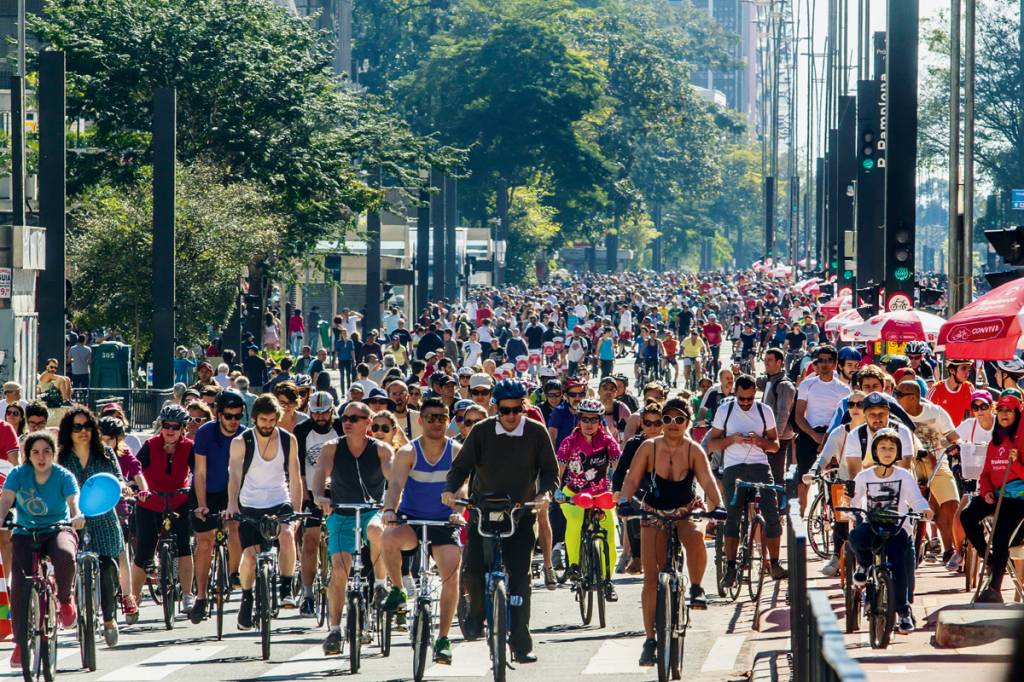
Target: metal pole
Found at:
x=955, y=260
x=437, y=223
x=52, y=205
x=165, y=103
x=17, y=150
x=967, y=247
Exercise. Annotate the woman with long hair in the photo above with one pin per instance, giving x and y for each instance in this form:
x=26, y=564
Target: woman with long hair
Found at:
x=80, y=451
x=15, y=416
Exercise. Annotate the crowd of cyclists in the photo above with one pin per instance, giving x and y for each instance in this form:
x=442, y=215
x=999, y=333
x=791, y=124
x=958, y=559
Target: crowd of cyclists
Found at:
x=514, y=394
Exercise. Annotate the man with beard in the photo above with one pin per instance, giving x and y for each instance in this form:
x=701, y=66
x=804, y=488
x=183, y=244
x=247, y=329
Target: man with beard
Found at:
x=408, y=420
x=311, y=435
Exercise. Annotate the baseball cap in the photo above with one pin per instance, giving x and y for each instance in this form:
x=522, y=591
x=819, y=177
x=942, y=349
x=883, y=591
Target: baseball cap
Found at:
x=1008, y=400
x=462, y=405
x=357, y=387
x=480, y=380
x=607, y=380
x=982, y=396
x=875, y=399
x=321, y=401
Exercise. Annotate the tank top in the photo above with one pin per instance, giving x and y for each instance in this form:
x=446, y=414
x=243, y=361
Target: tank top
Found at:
x=421, y=498
x=265, y=484
x=356, y=479
x=664, y=493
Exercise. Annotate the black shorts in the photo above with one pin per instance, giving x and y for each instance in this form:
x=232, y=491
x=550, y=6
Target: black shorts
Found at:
x=147, y=531
x=249, y=533
x=316, y=514
x=437, y=536
x=216, y=502
x=807, y=450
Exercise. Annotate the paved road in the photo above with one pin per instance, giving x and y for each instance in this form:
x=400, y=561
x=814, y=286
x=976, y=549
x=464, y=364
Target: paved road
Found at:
x=715, y=648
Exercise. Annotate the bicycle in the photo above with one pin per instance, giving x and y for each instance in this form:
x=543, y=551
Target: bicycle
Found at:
x=751, y=563
x=878, y=594
x=88, y=600
x=219, y=584
x=426, y=601
x=672, y=610
x=322, y=579
x=37, y=602
x=168, y=586
x=266, y=607
x=594, y=567
x=821, y=516
x=496, y=520
x=357, y=597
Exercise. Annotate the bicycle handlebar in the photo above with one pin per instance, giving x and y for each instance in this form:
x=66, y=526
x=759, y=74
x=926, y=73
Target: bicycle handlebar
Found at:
x=746, y=485
x=353, y=506
x=630, y=510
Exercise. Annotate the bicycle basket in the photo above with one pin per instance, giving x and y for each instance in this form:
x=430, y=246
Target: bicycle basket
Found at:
x=268, y=528
x=495, y=514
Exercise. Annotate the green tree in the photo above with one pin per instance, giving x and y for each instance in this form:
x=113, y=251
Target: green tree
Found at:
x=532, y=227
x=221, y=228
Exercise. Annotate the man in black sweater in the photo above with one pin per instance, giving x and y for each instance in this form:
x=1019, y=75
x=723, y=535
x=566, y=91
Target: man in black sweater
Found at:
x=506, y=454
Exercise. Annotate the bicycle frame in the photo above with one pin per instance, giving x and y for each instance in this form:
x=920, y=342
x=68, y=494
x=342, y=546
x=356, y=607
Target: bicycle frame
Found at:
x=44, y=658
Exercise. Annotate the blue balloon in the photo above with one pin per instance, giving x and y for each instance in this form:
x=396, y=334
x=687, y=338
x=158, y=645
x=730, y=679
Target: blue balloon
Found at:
x=100, y=493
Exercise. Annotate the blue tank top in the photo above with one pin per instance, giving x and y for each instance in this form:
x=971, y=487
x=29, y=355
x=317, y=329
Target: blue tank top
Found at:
x=421, y=498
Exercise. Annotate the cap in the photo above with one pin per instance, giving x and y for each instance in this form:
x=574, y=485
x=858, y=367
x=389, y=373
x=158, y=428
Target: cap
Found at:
x=1008, y=400
x=429, y=355
x=356, y=387
x=983, y=396
x=448, y=379
x=480, y=380
x=321, y=401
x=462, y=404
x=607, y=380
x=903, y=373
x=11, y=386
x=376, y=394
x=875, y=399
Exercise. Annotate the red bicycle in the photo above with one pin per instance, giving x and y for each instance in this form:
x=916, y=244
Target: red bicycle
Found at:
x=37, y=601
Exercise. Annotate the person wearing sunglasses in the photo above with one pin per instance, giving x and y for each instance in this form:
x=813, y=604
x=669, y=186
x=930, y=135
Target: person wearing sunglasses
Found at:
x=407, y=417
x=166, y=465
x=663, y=475
x=481, y=387
x=51, y=386
x=384, y=427
x=414, y=492
x=564, y=418
x=506, y=454
x=290, y=400
x=651, y=427
x=358, y=466
x=466, y=419
x=953, y=394
x=816, y=400
x=975, y=436
x=585, y=458
x=199, y=413
x=744, y=431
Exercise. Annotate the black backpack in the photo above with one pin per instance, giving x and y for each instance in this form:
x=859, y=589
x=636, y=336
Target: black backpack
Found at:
x=728, y=413
x=249, y=439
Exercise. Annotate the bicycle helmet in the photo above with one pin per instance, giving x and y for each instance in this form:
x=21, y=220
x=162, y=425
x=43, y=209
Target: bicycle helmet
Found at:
x=590, y=406
x=228, y=399
x=895, y=362
x=1012, y=366
x=508, y=389
x=848, y=353
x=916, y=348
x=301, y=380
x=173, y=413
x=111, y=427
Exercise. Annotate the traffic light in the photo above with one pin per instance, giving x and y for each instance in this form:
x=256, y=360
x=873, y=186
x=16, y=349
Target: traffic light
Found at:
x=899, y=260
x=1008, y=243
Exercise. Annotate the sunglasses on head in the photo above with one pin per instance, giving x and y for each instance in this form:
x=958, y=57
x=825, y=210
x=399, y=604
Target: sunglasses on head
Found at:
x=518, y=409
x=78, y=427
x=651, y=424
x=435, y=418
x=353, y=418
x=678, y=419
x=383, y=428
x=168, y=426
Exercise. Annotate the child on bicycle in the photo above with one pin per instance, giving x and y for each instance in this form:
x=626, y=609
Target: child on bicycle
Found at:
x=887, y=489
x=584, y=460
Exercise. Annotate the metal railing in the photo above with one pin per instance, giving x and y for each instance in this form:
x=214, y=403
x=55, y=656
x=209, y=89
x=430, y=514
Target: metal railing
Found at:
x=819, y=652
x=141, y=405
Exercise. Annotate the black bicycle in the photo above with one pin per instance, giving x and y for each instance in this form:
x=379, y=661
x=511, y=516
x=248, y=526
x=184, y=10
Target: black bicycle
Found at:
x=672, y=610
x=595, y=554
x=218, y=585
x=752, y=561
x=88, y=598
x=37, y=602
x=168, y=584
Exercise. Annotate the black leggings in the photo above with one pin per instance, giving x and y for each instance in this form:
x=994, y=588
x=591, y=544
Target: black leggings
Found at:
x=1011, y=513
x=108, y=587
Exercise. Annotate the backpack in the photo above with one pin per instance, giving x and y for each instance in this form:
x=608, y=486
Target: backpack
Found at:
x=862, y=436
x=718, y=456
x=249, y=439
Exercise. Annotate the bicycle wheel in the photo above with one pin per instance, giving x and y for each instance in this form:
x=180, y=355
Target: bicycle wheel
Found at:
x=30, y=634
x=323, y=580
x=219, y=584
x=851, y=595
x=420, y=640
x=262, y=607
x=354, y=632
x=584, y=591
x=87, y=615
x=681, y=621
x=663, y=626
x=166, y=587
x=50, y=626
x=598, y=577
x=883, y=611
x=499, y=630
x=384, y=621
x=756, y=561
x=819, y=530
x=720, y=559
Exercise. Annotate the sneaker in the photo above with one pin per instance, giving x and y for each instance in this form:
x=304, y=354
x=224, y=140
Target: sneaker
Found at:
x=198, y=612
x=67, y=614
x=860, y=577
x=332, y=645
x=16, y=657
x=245, y=612
x=955, y=562
x=778, y=572
x=906, y=625
x=634, y=567
x=289, y=601
x=442, y=651
x=110, y=634
x=389, y=601
x=550, y=581
x=558, y=556
x=610, y=595
x=131, y=609
x=620, y=566
x=307, y=607
x=990, y=595
x=698, y=599
x=729, y=579
x=831, y=568
x=947, y=555
x=649, y=655
x=187, y=603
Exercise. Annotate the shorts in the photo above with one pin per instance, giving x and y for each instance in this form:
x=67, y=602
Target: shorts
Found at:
x=341, y=531
x=248, y=533
x=217, y=502
x=943, y=487
x=807, y=450
x=316, y=514
x=437, y=536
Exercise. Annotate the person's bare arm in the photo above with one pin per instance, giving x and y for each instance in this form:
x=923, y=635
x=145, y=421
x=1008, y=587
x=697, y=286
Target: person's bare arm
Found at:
x=387, y=456
x=718, y=441
x=769, y=442
x=6, y=502
x=803, y=424
x=632, y=426
x=236, y=459
x=402, y=464
x=294, y=475
x=324, y=464
x=199, y=480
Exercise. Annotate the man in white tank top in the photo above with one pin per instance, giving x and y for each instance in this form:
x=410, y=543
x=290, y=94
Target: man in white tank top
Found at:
x=264, y=490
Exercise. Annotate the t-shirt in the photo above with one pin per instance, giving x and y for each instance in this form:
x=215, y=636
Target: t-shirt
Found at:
x=822, y=399
x=897, y=492
x=563, y=421
x=956, y=404
x=743, y=422
x=795, y=341
x=713, y=333
x=853, y=442
x=38, y=506
x=8, y=439
x=80, y=356
x=311, y=441
x=211, y=443
x=933, y=423
x=747, y=341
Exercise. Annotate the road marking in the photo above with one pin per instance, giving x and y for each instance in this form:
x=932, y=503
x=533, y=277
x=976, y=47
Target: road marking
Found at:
x=161, y=665
x=306, y=663
x=65, y=650
x=723, y=653
x=617, y=657
x=469, y=659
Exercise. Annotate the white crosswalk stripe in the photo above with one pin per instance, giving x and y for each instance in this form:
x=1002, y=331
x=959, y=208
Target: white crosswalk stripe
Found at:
x=469, y=659
x=306, y=664
x=723, y=653
x=161, y=665
x=617, y=657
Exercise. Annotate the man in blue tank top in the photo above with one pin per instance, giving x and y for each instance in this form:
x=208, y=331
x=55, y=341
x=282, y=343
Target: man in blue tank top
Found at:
x=414, y=491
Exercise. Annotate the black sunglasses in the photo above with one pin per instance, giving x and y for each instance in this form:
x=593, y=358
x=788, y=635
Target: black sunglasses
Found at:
x=434, y=418
x=856, y=403
x=169, y=426
x=980, y=406
x=231, y=416
x=469, y=422
x=651, y=425
x=383, y=428
x=78, y=427
x=518, y=409
x=353, y=418
x=481, y=391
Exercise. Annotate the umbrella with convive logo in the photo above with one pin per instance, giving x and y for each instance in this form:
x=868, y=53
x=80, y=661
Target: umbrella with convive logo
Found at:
x=896, y=325
x=988, y=328
x=843, y=319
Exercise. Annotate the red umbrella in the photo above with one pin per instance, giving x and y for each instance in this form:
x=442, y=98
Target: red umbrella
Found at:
x=989, y=328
